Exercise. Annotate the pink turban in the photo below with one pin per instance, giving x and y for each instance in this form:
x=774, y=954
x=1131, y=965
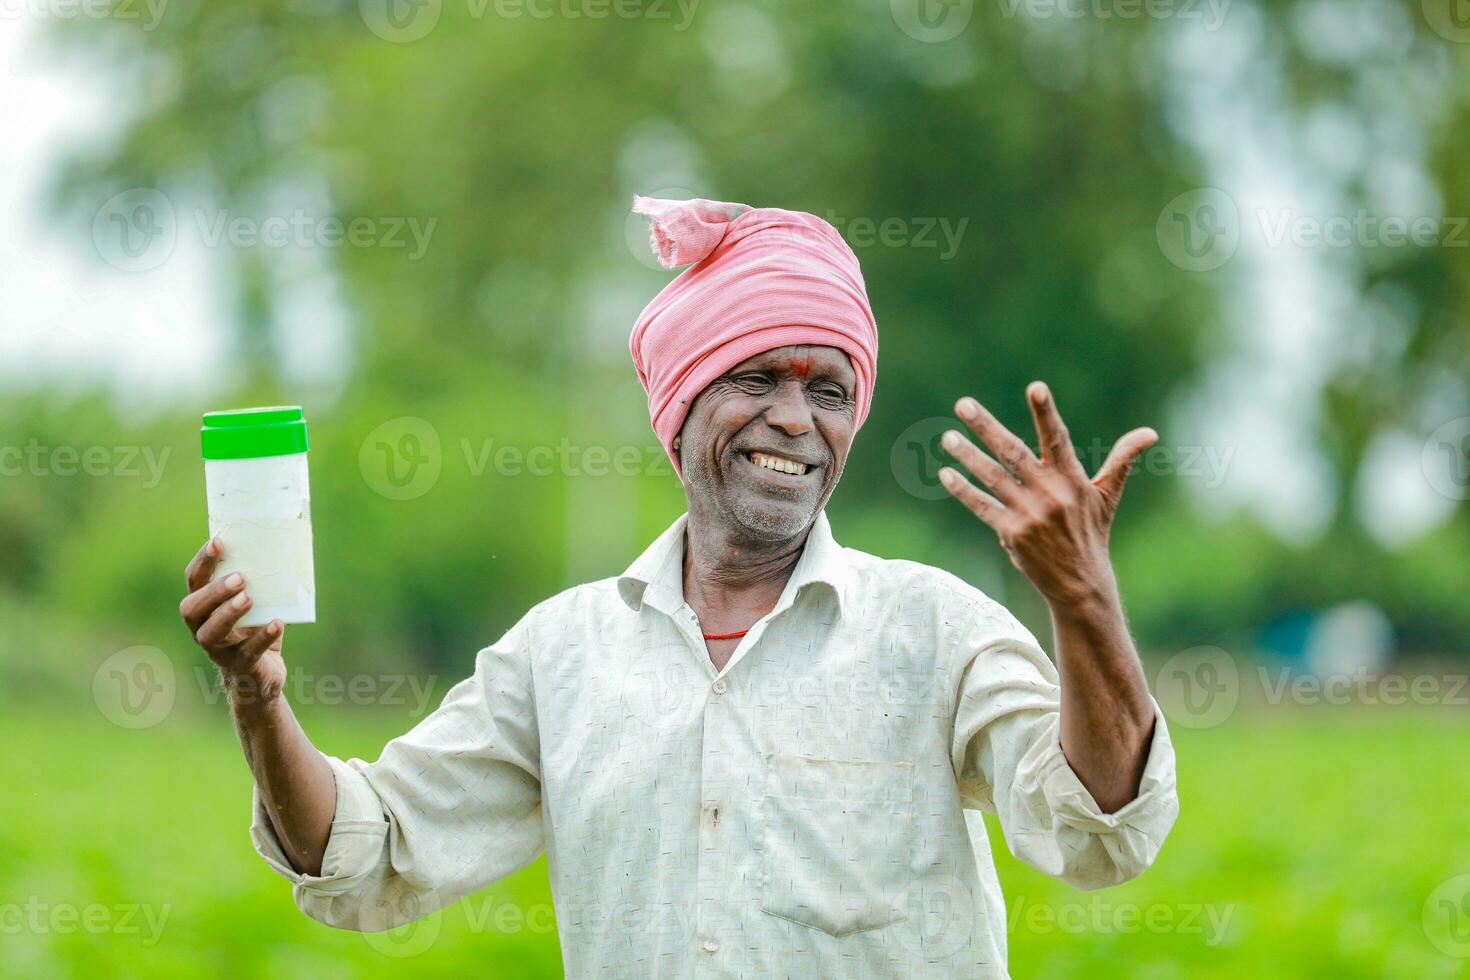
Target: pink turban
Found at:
x=761, y=278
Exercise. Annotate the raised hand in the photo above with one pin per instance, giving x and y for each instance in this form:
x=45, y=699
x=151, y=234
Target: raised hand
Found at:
x=1051, y=518
x=1054, y=523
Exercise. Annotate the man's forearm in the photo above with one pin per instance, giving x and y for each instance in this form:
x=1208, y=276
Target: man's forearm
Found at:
x=295, y=780
x=1107, y=716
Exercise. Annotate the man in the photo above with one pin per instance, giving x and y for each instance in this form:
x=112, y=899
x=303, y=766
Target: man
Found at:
x=755, y=753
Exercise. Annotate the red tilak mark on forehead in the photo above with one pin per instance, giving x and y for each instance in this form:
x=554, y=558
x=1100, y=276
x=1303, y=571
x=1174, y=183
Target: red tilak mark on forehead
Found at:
x=802, y=367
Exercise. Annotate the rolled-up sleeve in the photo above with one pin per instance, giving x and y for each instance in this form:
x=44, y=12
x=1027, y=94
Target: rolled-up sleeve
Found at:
x=1008, y=759
x=447, y=808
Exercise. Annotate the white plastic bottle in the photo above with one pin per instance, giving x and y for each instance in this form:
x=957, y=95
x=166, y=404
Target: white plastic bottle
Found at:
x=260, y=508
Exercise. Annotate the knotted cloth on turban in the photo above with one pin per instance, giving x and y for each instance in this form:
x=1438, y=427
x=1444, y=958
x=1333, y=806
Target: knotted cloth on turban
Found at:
x=761, y=278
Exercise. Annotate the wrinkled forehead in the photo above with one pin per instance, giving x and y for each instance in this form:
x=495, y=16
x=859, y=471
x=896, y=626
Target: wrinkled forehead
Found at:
x=802, y=359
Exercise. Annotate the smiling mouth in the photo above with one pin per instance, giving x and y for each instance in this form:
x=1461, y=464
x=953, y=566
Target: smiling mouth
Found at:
x=778, y=464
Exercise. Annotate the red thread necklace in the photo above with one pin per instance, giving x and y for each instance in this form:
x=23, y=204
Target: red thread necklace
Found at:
x=726, y=636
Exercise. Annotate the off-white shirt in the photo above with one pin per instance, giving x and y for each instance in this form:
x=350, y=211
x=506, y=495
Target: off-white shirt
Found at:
x=811, y=810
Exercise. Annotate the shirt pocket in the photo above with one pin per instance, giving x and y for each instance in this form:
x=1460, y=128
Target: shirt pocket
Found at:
x=838, y=841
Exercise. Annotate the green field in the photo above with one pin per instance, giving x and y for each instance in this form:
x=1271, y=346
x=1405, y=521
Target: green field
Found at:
x=1309, y=842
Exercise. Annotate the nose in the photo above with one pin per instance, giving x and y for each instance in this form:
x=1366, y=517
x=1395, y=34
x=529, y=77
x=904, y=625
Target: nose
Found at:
x=790, y=412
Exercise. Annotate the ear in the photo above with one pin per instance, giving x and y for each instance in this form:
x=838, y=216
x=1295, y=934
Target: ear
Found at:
x=677, y=441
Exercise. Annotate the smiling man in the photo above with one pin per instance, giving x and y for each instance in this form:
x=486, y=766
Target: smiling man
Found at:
x=755, y=753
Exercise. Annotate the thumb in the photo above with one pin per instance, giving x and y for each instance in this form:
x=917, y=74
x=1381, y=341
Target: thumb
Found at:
x=1114, y=471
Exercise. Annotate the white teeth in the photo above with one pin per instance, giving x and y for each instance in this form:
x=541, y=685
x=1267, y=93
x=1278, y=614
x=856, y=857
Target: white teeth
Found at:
x=779, y=464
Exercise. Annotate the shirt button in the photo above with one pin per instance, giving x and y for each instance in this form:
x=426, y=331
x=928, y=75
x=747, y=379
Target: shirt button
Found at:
x=710, y=946
x=719, y=686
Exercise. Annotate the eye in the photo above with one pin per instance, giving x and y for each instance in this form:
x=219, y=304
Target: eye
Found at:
x=829, y=393
x=752, y=382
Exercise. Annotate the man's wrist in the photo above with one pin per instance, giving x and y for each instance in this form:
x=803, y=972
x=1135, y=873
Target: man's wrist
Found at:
x=249, y=699
x=1096, y=605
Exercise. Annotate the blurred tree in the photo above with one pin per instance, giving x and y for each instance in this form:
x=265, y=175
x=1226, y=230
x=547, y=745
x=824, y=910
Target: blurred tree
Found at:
x=1043, y=149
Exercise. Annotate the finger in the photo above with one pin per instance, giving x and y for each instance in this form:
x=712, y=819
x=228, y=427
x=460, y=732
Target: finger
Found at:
x=1114, y=471
x=1001, y=441
x=198, y=605
x=202, y=566
x=984, y=469
x=1051, y=432
x=267, y=637
x=217, y=628
x=980, y=503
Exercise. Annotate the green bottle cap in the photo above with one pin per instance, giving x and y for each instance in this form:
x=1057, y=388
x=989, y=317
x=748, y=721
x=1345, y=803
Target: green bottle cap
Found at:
x=247, y=433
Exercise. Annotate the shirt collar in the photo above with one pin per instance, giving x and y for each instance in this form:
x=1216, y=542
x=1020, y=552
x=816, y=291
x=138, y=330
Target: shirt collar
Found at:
x=657, y=576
